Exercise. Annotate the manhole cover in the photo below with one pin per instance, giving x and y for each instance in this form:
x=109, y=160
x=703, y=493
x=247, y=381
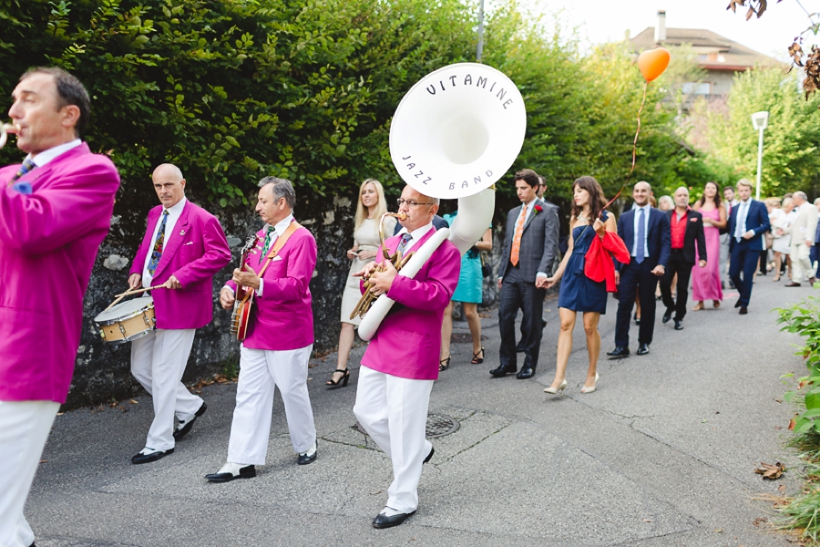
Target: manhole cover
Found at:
x=438, y=425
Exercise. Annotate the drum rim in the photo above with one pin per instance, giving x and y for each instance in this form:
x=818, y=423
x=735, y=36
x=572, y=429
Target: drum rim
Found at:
x=149, y=305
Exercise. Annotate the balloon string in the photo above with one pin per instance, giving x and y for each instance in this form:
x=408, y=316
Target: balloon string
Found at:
x=634, y=151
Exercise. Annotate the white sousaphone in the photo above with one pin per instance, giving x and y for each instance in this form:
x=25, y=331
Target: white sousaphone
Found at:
x=454, y=135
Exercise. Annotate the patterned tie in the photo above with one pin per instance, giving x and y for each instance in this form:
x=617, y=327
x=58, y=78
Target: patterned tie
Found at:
x=640, y=252
x=27, y=166
x=519, y=229
x=156, y=254
x=405, y=240
x=268, y=239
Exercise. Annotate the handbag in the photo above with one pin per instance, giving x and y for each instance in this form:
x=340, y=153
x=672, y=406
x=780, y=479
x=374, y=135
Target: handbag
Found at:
x=486, y=267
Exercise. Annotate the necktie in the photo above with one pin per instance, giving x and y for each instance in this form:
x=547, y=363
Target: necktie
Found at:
x=519, y=229
x=640, y=252
x=268, y=239
x=405, y=240
x=156, y=254
x=27, y=166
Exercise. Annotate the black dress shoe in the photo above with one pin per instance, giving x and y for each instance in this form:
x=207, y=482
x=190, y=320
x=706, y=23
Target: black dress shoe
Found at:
x=743, y=310
x=304, y=459
x=383, y=521
x=526, y=373
x=618, y=352
x=430, y=455
x=643, y=349
x=502, y=371
x=738, y=304
x=519, y=348
x=247, y=472
x=792, y=284
x=678, y=325
x=666, y=317
x=543, y=323
x=185, y=427
x=152, y=457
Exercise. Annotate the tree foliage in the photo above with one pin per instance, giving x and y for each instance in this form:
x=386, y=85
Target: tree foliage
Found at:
x=790, y=158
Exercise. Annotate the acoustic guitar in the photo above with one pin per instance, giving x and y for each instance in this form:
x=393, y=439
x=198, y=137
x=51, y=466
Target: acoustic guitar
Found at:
x=244, y=296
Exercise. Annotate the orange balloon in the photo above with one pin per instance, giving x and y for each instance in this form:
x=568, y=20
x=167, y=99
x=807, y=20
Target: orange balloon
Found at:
x=653, y=62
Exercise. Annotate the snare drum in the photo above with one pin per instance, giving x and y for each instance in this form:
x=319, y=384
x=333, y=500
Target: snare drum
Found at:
x=127, y=321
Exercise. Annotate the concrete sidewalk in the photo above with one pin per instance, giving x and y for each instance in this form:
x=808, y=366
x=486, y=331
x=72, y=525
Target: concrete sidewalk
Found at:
x=661, y=455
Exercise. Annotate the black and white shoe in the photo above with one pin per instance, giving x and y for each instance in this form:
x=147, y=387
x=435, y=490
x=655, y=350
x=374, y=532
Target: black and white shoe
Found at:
x=183, y=428
x=308, y=456
x=231, y=471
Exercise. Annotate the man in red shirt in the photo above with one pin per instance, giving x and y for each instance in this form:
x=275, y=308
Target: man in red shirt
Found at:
x=687, y=229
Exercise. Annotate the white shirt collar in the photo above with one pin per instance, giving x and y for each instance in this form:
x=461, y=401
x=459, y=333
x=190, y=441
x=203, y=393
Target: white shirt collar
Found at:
x=282, y=225
x=418, y=233
x=47, y=155
x=530, y=203
x=176, y=209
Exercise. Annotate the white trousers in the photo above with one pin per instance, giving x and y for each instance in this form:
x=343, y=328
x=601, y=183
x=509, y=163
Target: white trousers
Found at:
x=259, y=372
x=157, y=362
x=24, y=428
x=801, y=263
x=393, y=411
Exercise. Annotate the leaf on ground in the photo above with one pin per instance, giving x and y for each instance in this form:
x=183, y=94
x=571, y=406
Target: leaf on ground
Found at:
x=760, y=520
x=770, y=471
x=43, y=461
x=133, y=401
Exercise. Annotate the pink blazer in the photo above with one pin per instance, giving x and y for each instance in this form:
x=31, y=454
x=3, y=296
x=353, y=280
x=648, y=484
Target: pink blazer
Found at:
x=282, y=318
x=194, y=253
x=49, y=240
x=408, y=341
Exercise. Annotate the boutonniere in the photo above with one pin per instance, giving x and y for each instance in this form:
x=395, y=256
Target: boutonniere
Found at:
x=538, y=209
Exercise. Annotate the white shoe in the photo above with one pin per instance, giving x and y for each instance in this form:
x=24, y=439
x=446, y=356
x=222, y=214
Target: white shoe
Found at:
x=586, y=389
x=555, y=391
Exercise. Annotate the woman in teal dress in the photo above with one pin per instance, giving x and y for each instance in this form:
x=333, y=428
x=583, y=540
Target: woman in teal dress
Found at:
x=468, y=292
x=579, y=293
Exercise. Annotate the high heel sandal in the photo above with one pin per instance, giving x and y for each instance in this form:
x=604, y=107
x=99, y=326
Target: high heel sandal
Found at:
x=341, y=382
x=716, y=304
x=698, y=307
x=586, y=389
x=556, y=390
x=476, y=360
x=444, y=364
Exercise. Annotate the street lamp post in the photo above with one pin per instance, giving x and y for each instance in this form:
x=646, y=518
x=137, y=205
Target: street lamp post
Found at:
x=480, y=48
x=760, y=120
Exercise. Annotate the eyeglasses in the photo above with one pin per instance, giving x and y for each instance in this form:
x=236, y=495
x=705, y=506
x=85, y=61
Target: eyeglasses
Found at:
x=411, y=203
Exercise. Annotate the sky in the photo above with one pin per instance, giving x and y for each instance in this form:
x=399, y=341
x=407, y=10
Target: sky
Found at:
x=601, y=21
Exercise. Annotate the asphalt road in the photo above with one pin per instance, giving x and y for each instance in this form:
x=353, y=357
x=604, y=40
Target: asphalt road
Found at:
x=662, y=454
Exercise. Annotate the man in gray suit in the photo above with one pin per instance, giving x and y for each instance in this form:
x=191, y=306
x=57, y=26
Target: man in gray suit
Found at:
x=530, y=248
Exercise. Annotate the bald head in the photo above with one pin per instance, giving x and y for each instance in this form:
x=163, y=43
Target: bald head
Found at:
x=641, y=193
x=169, y=184
x=682, y=198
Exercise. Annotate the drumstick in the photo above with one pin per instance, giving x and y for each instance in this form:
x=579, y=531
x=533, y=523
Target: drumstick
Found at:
x=130, y=292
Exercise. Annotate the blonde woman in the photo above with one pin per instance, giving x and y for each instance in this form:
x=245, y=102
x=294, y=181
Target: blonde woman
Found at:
x=369, y=209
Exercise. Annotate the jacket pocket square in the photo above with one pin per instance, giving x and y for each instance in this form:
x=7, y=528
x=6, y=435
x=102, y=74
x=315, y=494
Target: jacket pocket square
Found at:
x=693, y=220
x=277, y=257
x=189, y=243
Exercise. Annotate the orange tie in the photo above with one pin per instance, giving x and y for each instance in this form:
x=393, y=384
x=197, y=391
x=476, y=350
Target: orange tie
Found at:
x=519, y=228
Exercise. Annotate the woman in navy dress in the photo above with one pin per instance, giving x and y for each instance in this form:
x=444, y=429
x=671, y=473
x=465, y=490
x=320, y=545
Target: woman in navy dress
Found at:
x=578, y=293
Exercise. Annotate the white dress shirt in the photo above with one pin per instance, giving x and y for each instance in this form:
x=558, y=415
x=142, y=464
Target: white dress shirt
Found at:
x=646, y=208
x=740, y=223
x=173, y=216
x=47, y=155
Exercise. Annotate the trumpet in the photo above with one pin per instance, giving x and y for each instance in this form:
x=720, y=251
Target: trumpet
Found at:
x=5, y=129
x=396, y=259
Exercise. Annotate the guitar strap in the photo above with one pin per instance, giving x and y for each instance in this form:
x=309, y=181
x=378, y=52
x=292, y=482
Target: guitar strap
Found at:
x=280, y=242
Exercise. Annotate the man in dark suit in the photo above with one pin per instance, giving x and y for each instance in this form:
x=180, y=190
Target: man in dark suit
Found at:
x=686, y=228
x=646, y=233
x=747, y=224
x=530, y=248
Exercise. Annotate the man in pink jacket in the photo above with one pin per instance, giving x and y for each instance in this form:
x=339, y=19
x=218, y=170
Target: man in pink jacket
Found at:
x=55, y=211
x=183, y=248
x=402, y=361
x=277, y=348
